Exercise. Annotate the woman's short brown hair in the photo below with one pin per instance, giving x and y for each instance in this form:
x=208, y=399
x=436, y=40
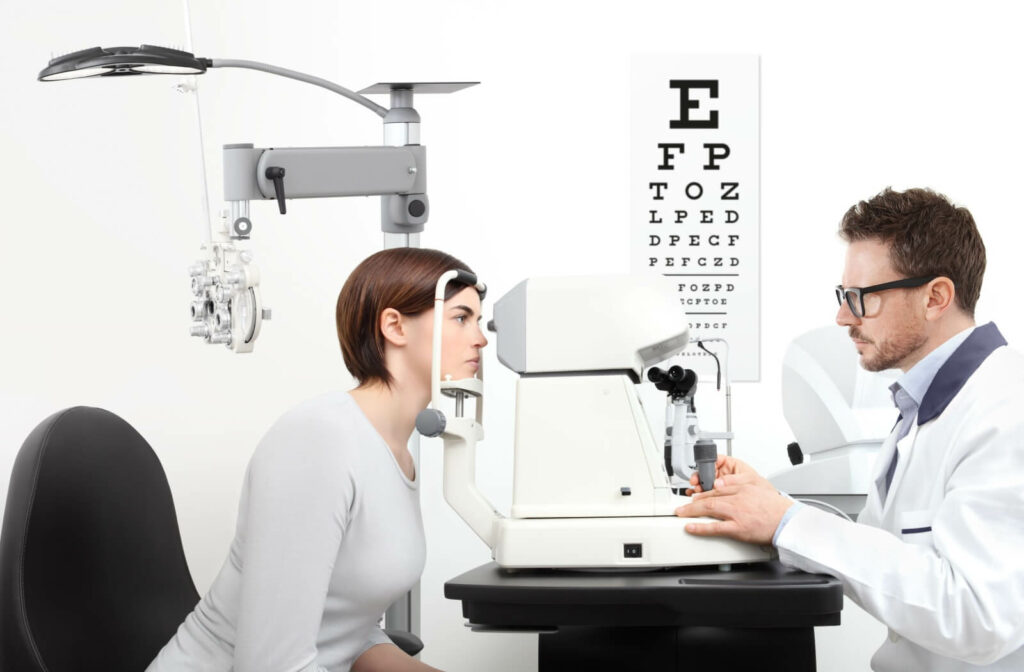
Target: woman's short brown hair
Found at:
x=400, y=278
x=926, y=234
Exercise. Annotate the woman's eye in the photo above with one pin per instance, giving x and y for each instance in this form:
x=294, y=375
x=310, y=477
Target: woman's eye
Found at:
x=461, y=319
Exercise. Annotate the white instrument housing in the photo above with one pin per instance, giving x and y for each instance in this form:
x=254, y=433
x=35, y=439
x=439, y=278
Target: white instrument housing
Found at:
x=629, y=322
x=590, y=487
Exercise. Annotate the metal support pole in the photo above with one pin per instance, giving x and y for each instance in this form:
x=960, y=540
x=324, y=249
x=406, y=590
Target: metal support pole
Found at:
x=404, y=614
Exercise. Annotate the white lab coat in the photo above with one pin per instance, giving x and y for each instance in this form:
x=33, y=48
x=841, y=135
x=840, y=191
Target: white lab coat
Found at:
x=941, y=562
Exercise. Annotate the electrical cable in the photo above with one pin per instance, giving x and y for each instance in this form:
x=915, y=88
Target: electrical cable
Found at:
x=193, y=87
x=718, y=383
x=825, y=506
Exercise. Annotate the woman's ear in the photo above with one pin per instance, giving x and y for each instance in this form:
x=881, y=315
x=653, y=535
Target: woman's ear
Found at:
x=393, y=327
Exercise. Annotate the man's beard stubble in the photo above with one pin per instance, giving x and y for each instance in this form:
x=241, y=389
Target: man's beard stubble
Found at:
x=890, y=352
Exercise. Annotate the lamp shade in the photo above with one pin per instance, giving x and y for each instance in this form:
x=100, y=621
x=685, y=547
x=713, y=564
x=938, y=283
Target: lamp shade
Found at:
x=117, y=61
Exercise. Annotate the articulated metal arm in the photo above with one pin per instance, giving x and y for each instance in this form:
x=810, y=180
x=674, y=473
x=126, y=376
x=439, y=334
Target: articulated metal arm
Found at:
x=302, y=77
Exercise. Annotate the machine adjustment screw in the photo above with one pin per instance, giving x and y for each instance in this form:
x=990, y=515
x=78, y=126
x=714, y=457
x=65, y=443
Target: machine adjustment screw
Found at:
x=417, y=208
x=430, y=422
x=242, y=227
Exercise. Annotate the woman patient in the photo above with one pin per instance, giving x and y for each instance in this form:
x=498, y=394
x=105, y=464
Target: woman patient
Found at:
x=329, y=531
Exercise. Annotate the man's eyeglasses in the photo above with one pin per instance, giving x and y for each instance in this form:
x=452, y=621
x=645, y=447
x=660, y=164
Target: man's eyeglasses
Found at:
x=855, y=296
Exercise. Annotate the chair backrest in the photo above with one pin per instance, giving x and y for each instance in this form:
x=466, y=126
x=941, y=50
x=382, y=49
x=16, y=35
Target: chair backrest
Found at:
x=92, y=571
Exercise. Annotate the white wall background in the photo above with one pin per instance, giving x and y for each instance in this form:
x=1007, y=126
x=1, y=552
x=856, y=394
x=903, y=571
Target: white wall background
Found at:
x=528, y=175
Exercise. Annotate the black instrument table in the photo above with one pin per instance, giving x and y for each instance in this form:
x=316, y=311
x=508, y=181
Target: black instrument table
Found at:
x=752, y=616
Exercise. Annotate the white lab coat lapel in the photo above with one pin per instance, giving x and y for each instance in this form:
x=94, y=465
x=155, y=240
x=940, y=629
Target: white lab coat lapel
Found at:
x=903, y=447
x=872, y=513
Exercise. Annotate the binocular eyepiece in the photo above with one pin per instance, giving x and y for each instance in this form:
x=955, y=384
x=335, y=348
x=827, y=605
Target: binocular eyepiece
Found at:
x=677, y=381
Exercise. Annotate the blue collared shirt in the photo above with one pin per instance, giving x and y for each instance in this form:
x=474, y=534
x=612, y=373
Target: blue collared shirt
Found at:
x=909, y=390
x=907, y=393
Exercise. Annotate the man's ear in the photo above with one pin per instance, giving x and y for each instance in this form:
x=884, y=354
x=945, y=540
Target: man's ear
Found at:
x=941, y=295
x=393, y=327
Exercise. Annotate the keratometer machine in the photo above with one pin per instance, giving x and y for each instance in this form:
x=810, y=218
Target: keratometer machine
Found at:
x=591, y=487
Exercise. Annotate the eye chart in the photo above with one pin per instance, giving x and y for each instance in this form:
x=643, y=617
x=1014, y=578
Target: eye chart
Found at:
x=695, y=194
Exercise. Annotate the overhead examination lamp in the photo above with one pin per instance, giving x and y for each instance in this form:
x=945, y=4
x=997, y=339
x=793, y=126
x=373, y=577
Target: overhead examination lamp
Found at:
x=226, y=306
x=117, y=61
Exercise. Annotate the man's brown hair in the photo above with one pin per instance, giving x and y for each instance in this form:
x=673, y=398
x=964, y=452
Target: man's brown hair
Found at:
x=401, y=278
x=926, y=234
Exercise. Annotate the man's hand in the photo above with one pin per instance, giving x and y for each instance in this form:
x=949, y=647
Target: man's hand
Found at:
x=748, y=507
x=724, y=466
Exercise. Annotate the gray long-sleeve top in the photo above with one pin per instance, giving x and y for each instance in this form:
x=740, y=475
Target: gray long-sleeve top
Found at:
x=329, y=534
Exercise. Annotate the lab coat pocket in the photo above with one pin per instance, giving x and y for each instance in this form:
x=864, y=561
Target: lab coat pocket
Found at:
x=916, y=526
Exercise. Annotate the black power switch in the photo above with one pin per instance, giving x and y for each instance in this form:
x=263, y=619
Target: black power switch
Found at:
x=632, y=550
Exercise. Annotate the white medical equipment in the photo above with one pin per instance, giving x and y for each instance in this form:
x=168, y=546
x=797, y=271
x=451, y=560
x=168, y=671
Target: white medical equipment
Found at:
x=839, y=413
x=686, y=445
x=226, y=306
x=590, y=484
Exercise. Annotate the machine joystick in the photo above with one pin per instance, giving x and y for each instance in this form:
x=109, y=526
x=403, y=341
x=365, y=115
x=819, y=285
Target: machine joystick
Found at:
x=705, y=454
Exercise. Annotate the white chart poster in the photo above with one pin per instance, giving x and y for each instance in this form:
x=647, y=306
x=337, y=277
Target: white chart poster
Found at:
x=695, y=193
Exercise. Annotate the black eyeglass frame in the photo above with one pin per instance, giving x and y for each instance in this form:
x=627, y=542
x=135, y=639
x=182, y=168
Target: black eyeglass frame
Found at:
x=843, y=293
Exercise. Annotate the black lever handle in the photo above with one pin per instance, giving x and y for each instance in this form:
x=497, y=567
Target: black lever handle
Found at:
x=276, y=173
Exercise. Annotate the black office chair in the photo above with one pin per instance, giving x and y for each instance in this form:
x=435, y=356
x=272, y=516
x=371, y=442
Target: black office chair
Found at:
x=92, y=572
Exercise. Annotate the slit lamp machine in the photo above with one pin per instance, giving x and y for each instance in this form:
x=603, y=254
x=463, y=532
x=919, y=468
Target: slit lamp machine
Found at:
x=592, y=488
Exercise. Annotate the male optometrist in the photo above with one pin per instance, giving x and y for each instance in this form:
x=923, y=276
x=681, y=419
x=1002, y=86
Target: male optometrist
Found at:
x=938, y=552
